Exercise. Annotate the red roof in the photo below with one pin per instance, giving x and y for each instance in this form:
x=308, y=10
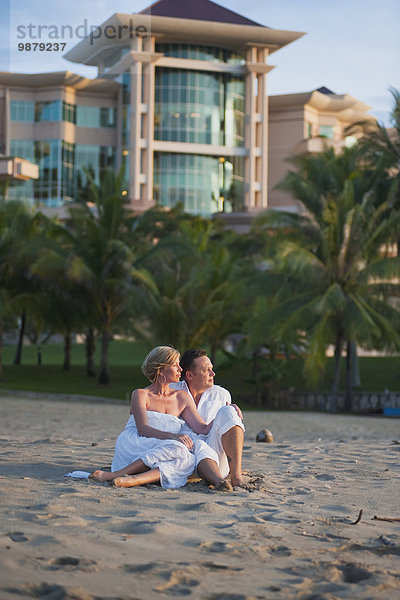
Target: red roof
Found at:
x=202, y=10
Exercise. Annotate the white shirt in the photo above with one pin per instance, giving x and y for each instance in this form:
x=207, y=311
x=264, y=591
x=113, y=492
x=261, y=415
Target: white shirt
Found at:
x=212, y=399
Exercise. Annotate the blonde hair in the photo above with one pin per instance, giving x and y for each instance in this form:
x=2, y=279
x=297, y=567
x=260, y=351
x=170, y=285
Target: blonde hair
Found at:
x=159, y=357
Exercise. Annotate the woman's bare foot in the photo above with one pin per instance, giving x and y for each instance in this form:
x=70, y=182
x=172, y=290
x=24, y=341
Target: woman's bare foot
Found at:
x=102, y=476
x=125, y=481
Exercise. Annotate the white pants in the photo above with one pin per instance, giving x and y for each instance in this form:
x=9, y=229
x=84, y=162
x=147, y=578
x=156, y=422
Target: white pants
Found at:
x=210, y=445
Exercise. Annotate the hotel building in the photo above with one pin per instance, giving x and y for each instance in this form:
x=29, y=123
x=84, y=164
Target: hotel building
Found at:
x=181, y=99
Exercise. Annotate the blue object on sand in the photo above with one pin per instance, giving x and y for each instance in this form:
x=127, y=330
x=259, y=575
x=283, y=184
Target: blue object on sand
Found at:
x=389, y=411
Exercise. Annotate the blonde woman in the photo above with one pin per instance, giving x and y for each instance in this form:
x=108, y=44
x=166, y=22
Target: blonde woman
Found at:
x=151, y=447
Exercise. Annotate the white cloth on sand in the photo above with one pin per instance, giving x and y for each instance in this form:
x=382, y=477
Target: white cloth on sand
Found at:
x=175, y=462
x=214, y=404
x=78, y=474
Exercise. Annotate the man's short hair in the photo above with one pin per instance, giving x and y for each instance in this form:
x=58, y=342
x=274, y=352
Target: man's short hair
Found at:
x=188, y=358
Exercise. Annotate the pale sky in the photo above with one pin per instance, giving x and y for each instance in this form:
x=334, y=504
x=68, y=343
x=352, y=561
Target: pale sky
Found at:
x=350, y=46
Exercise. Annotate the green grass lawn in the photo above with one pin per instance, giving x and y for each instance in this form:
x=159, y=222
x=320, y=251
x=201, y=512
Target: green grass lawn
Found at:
x=377, y=374
x=122, y=353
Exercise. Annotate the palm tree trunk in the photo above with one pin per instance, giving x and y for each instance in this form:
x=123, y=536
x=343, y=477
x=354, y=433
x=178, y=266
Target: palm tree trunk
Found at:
x=104, y=376
x=213, y=352
x=1, y=348
x=356, y=366
x=336, y=375
x=348, y=402
x=90, y=348
x=67, y=351
x=20, y=344
x=256, y=377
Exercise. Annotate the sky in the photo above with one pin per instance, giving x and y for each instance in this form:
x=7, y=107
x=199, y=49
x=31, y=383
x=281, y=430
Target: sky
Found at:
x=350, y=46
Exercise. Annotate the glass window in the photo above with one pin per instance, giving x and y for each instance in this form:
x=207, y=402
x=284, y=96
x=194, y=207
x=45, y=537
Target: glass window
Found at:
x=87, y=116
x=203, y=108
x=204, y=184
x=22, y=110
x=199, y=52
x=48, y=111
x=326, y=131
x=93, y=159
x=95, y=116
x=61, y=168
x=47, y=189
x=69, y=112
x=23, y=149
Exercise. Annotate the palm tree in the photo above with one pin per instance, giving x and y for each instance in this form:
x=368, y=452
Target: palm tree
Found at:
x=22, y=238
x=190, y=286
x=335, y=259
x=62, y=291
x=102, y=238
x=380, y=146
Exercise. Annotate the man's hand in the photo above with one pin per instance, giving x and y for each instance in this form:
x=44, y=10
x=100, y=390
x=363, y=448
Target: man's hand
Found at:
x=239, y=412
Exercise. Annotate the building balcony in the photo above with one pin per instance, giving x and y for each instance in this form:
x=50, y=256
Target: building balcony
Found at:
x=18, y=168
x=316, y=145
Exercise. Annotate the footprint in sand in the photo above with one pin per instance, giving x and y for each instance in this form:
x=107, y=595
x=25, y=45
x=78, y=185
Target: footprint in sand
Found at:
x=138, y=568
x=180, y=581
x=132, y=527
x=204, y=507
x=72, y=563
x=325, y=477
x=229, y=596
x=220, y=547
x=60, y=520
x=17, y=536
x=280, y=550
x=353, y=573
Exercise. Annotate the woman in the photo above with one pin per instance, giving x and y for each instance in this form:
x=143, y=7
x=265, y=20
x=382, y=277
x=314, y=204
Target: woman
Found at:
x=151, y=449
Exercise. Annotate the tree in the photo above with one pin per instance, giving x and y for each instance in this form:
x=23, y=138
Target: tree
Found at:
x=17, y=223
x=339, y=277
x=380, y=144
x=380, y=147
x=190, y=287
x=103, y=242
x=63, y=298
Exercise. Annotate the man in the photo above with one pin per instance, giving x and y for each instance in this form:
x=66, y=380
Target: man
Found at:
x=214, y=402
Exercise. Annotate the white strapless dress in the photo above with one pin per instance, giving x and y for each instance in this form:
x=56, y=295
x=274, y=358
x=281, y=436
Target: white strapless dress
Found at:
x=171, y=457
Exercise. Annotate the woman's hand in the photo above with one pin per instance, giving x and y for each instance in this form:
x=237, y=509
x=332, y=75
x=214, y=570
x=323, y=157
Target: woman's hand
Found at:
x=185, y=440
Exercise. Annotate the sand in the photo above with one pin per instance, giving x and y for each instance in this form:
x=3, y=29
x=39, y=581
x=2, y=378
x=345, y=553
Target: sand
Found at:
x=291, y=535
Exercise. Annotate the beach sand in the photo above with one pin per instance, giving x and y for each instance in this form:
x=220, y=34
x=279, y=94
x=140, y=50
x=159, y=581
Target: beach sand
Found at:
x=291, y=535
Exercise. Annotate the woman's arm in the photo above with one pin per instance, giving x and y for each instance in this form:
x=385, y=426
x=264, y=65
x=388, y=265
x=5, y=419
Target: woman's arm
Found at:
x=139, y=411
x=190, y=415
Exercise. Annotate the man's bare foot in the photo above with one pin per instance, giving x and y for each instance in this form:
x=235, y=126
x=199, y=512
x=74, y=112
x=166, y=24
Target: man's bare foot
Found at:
x=126, y=481
x=237, y=481
x=223, y=486
x=102, y=476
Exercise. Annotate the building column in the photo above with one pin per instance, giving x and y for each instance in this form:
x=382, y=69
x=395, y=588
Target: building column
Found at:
x=250, y=134
x=135, y=121
x=262, y=142
x=7, y=122
x=141, y=148
x=256, y=171
x=148, y=133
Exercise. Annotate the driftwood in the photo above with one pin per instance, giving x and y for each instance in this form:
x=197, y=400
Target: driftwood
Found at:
x=389, y=519
x=358, y=518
